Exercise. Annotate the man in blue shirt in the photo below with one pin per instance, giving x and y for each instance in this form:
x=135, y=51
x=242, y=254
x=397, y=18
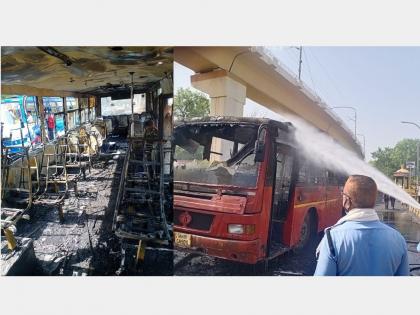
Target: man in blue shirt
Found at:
x=359, y=244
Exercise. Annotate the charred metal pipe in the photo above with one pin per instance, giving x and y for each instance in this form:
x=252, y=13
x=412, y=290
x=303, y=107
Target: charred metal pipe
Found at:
x=55, y=53
x=132, y=96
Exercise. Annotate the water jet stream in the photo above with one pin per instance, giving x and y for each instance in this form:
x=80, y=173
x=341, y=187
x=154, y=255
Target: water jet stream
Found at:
x=325, y=151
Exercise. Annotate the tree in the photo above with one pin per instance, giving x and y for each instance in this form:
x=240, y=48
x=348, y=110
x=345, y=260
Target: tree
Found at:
x=189, y=104
x=383, y=161
x=389, y=160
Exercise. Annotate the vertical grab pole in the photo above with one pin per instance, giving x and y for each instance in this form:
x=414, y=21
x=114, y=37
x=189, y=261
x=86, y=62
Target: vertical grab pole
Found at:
x=132, y=103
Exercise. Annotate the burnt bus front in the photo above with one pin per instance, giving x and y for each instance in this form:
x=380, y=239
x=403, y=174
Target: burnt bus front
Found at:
x=223, y=186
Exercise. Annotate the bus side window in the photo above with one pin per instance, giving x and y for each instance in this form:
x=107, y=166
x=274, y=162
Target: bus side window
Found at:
x=316, y=175
x=54, y=116
x=303, y=175
x=331, y=178
x=32, y=119
x=72, y=113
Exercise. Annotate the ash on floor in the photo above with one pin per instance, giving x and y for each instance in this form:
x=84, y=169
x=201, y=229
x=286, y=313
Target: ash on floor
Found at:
x=84, y=243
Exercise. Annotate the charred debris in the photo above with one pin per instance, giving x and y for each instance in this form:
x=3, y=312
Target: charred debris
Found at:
x=95, y=197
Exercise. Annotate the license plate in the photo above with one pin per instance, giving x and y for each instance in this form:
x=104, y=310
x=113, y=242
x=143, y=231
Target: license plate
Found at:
x=182, y=239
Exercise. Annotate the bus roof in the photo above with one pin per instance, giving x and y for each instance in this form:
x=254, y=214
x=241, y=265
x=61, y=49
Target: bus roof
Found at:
x=83, y=70
x=286, y=126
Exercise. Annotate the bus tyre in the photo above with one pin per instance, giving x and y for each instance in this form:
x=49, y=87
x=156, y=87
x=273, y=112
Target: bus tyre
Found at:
x=307, y=233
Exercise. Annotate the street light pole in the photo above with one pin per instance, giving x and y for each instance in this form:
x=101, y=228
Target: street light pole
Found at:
x=355, y=117
x=418, y=157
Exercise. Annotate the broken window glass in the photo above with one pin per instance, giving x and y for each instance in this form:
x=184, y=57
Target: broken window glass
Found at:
x=218, y=155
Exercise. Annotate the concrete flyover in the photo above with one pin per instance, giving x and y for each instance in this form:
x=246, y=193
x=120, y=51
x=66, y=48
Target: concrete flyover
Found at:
x=231, y=74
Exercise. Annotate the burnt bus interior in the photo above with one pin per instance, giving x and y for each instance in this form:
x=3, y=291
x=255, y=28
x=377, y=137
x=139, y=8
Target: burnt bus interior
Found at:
x=86, y=160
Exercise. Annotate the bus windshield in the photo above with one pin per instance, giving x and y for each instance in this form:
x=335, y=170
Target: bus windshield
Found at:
x=221, y=154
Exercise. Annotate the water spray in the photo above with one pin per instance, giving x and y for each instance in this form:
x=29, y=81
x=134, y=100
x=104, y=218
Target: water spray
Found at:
x=326, y=152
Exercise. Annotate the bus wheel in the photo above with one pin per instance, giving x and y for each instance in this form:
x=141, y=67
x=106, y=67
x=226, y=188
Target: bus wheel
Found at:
x=307, y=232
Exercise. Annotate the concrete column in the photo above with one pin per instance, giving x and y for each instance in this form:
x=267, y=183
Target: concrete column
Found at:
x=227, y=98
x=227, y=95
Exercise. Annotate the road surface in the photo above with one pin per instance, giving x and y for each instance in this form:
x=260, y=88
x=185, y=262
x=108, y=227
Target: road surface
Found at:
x=292, y=263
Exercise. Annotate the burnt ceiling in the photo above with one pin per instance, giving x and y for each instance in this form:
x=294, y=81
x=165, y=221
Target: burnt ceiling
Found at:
x=92, y=70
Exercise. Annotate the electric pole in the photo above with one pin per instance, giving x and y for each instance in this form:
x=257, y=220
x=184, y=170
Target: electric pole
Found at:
x=300, y=48
x=300, y=61
x=354, y=119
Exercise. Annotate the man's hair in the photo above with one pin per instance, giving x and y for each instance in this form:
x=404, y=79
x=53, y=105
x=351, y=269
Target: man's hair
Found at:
x=362, y=190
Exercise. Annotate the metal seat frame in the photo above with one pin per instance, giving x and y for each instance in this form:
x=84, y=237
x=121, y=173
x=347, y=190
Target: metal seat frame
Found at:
x=20, y=161
x=55, y=175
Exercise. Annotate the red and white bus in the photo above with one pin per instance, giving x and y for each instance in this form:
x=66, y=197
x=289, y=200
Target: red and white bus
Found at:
x=243, y=192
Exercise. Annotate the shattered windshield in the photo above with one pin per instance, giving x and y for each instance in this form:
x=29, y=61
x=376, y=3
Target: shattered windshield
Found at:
x=221, y=154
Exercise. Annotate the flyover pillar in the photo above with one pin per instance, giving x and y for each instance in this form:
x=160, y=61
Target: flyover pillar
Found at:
x=227, y=98
x=227, y=95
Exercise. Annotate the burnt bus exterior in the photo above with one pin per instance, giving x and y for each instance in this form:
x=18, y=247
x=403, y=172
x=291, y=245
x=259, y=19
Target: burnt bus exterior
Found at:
x=243, y=192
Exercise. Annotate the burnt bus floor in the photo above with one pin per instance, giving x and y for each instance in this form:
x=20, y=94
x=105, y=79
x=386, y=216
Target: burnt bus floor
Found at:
x=84, y=243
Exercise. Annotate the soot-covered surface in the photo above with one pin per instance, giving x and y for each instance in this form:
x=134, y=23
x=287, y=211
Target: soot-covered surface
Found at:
x=97, y=70
x=84, y=243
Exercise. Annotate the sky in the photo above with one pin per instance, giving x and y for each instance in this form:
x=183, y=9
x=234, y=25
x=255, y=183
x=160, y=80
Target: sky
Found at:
x=381, y=83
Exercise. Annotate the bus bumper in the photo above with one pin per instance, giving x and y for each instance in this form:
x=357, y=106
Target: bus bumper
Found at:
x=249, y=252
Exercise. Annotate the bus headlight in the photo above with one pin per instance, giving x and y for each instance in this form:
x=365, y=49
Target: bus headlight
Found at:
x=241, y=228
x=236, y=229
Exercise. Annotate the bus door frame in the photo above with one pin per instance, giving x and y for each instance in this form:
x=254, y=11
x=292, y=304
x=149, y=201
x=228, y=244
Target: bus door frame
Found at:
x=293, y=152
